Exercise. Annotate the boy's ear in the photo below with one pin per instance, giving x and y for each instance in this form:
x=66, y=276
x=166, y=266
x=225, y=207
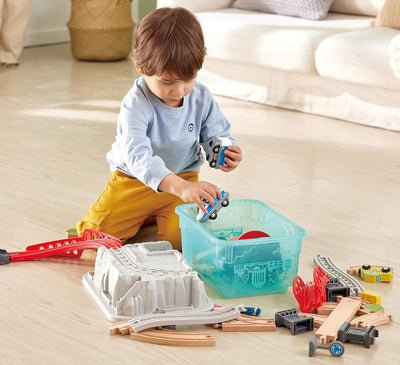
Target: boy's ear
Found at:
x=138, y=68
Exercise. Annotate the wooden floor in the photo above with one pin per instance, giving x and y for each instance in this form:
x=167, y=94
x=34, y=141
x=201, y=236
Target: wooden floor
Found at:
x=340, y=181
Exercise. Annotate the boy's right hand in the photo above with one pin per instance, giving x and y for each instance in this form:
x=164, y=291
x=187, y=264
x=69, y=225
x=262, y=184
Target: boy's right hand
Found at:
x=190, y=192
x=198, y=191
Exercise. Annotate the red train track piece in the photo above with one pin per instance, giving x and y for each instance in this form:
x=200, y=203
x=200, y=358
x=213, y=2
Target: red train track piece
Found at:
x=70, y=247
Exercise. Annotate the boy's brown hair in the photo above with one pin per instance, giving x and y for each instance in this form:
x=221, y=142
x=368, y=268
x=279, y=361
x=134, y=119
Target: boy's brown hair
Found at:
x=169, y=39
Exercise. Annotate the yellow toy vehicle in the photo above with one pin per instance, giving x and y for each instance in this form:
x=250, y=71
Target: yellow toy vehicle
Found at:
x=376, y=274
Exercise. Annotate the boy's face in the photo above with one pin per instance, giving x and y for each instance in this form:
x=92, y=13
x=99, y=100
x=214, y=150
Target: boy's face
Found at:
x=170, y=89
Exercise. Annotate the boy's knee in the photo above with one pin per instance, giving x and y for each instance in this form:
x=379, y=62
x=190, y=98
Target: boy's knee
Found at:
x=168, y=230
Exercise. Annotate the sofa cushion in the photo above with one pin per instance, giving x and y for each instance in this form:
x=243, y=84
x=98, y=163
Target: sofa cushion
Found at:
x=394, y=52
x=389, y=16
x=195, y=5
x=286, y=43
x=308, y=9
x=361, y=57
x=357, y=7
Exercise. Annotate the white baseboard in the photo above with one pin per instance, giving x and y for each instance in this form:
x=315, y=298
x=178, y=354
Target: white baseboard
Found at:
x=46, y=36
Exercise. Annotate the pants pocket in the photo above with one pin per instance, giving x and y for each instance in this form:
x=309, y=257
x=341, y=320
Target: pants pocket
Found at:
x=95, y=216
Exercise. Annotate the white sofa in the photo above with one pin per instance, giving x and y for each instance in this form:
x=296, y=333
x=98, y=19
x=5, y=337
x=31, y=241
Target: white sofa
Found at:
x=337, y=67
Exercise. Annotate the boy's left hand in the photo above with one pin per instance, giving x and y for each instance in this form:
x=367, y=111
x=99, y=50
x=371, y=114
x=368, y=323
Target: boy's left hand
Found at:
x=233, y=156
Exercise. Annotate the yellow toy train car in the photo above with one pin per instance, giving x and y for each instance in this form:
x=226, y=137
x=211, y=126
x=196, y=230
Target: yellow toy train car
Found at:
x=376, y=274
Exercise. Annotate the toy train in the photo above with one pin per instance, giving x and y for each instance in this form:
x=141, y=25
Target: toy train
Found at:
x=372, y=274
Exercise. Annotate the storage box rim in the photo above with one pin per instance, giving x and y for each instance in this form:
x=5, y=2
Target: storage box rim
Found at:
x=302, y=232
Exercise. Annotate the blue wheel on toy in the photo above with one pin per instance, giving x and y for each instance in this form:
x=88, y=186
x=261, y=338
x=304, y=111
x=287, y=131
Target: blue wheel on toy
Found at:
x=336, y=348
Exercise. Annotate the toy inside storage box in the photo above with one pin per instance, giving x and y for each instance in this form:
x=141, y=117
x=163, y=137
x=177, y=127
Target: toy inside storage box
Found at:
x=237, y=268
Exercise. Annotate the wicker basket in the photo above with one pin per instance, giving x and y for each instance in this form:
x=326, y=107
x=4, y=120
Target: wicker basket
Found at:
x=101, y=30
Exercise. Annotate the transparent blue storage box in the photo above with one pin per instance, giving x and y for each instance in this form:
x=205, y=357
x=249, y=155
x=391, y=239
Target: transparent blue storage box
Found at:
x=238, y=268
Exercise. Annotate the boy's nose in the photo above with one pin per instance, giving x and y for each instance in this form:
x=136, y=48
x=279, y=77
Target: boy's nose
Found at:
x=178, y=91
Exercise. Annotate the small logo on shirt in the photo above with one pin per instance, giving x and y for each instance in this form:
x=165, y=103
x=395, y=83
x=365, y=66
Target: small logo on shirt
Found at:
x=190, y=127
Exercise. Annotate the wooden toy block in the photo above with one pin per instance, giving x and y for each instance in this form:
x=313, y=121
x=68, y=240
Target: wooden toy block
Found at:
x=71, y=233
x=371, y=297
x=344, y=312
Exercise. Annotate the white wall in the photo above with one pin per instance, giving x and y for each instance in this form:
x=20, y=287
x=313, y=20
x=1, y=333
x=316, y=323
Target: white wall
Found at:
x=48, y=19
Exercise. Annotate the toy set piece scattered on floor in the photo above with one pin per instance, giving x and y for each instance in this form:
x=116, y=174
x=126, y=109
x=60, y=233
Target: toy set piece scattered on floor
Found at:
x=246, y=323
x=364, y=318
x=334, y=272
x=163, y=336
x=366, y=337
x=157, y=319
x=143, y=278
x=371, y=319
x=72, y=247
x=212, y=210
x=140, y=330
x=361, y=329
x=375, y=274
x=372, y=273
x=336, y=348
x=216, y=155
x=334, y=289
x=344, y=312
x=312, y=294
x=371, y=297
x=250, y=311
x=289, y=318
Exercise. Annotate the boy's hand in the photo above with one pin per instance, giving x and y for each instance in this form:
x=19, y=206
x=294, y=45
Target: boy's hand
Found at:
x=198, y=191
x=233, y=156
x=190, y=192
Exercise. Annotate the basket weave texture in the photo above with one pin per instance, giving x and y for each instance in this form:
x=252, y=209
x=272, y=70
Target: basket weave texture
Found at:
x=101, y=30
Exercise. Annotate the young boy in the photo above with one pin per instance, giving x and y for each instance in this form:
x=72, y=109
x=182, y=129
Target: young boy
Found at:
x=163, y=120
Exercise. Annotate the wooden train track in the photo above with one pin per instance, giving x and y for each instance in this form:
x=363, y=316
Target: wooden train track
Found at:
x=372, y=319
x=334, y=272
x=344, y=312
x=162, y=336
x=247, y=324
x=174, y=338
x=142, y=322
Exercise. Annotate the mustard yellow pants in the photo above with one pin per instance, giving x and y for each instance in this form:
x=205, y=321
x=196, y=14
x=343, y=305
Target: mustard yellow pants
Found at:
x=126, y=203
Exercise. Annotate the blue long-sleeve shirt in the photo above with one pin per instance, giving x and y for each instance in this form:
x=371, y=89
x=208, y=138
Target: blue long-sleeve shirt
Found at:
x=154, y=140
